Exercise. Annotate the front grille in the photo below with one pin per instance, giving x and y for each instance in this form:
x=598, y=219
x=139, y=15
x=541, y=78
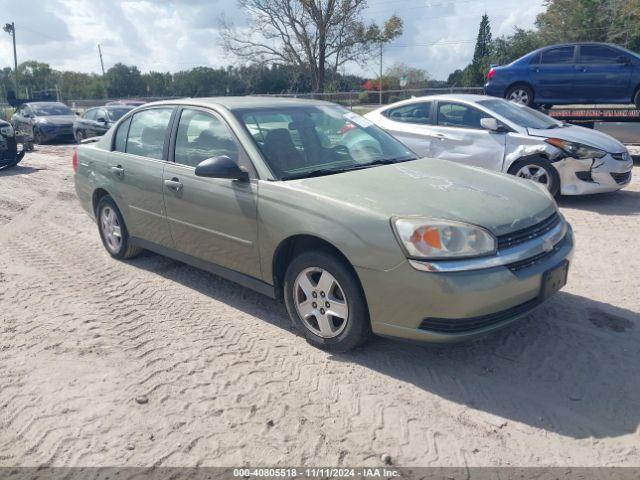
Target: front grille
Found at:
x=621, y=178
x=446, y=325
x=531, y=261
x=520, y=236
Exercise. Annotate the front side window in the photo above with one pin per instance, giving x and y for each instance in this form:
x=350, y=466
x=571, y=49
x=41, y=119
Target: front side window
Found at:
x=597, y=54
x=202, y=135
x=458, y=115
x=315, y=140
x=90, y=114
x=558, y=55
x=419, y=113
x=147, y=132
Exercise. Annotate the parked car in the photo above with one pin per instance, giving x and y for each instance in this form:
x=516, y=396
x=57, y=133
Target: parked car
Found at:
x=503, y=136
x=11, y=153
x=357, y=239
x=569, y=73
x=96, y=121
x=44, y=121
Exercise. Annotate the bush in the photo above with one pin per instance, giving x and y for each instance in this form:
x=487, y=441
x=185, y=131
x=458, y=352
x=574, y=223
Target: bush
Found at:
x=363, y=97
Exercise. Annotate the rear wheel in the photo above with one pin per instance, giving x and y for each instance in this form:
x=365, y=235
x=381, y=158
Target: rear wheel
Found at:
x=521, y=94
x=325, y=301
x=636, y=98
x=540, y=170
x=113, y=230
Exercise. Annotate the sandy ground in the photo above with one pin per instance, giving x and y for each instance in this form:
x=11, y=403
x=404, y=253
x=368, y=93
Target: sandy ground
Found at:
x=151, y=362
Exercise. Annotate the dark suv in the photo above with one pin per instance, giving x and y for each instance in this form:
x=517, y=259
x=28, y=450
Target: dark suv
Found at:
x=569, y=73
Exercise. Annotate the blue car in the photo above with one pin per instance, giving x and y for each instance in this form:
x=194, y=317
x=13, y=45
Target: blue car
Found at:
x=569, y=73
x=44, y=121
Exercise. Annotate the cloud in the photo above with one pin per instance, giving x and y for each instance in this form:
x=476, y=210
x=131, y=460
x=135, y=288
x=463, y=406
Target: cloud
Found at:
x=439, y=35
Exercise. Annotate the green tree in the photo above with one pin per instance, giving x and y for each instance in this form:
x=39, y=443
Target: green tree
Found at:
x=124, y=81
x=475, y=73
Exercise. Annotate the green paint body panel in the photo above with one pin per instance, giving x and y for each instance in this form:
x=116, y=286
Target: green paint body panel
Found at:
x=239, y=225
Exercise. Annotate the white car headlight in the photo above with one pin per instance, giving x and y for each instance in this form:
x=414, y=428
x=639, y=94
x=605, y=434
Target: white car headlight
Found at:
x=576, y=150
x=7, y=131
x=439, y=239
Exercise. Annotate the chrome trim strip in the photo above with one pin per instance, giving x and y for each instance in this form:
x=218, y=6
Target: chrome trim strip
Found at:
x=541, y=244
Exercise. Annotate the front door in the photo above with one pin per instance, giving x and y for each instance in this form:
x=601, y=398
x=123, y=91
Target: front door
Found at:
x=602, y=75
x=136, y=166
x=212, y=219
x=462, y=139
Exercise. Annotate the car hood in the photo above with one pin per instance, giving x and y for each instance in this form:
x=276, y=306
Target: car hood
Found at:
x=57, y=119
x=437, y=189
x=584, y=135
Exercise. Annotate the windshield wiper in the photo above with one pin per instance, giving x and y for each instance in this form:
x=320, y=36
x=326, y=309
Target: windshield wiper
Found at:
x=331, y=171
x=313, y=173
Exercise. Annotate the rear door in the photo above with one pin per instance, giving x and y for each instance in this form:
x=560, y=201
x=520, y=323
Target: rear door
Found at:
x=601, y=75
x=136, y=167
x=212, y=219
x=462, y=139
x=553, y=75
x=411, y=124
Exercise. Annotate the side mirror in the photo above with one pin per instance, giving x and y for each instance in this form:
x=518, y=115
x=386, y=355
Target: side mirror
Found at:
x=221, y=167
x=489, y=123
x=101, y=120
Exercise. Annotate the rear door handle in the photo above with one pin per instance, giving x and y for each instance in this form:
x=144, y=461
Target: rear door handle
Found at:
x=173, y=184
x=118, y=170
x=440, y=136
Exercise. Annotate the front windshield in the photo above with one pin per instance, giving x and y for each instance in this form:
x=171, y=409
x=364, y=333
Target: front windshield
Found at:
x=315, y=140
x=51, y=109
x=520, y=115
x=115, y=114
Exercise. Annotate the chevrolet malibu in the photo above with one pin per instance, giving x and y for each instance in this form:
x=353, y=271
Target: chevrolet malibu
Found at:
x=309, y=203
x=503, y=136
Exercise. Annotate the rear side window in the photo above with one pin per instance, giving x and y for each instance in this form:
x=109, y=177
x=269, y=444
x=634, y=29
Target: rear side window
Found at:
x=557, y=55
x=419, y=113
x=147, y=132
x=201, y=136
x=597, y=54
x=121, y=136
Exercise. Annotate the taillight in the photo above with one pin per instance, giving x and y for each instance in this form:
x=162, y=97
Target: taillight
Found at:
x=491, y=73
x=75, y=159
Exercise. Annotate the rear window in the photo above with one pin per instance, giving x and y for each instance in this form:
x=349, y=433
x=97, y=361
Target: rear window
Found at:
x=147, y=132
x=557, y=55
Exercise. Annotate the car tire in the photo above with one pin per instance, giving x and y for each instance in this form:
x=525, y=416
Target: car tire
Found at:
x=337, y=317
x=80, y=135
x=113, y=230
x=636, y=98
x=520, y=93
x=38, y=139
x=538, y=169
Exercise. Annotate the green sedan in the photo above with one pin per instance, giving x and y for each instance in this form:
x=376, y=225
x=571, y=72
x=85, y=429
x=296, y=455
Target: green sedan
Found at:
x=310, y=203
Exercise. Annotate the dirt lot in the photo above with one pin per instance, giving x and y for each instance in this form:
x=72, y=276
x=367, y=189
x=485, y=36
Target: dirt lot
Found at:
x=151, y=362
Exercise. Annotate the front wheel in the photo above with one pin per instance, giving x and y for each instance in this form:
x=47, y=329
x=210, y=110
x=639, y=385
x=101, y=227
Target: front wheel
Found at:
x=80, y=135
x=38, y=138
x=113, y=230
x=325, y=301
x=636, y=98
x=539, y=170
x=521, y=94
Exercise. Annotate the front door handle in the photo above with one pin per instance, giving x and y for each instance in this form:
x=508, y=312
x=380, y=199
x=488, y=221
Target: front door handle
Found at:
x=118, y=170
x=440, y=136
x=173, y=184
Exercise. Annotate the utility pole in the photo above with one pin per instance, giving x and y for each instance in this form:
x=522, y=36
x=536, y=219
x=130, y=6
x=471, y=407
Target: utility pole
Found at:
x=101, y=62
x=380, y=80
x=10, y=28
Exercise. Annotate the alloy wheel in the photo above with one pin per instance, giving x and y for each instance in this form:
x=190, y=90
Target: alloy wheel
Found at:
x=111, y=229
x=320, y=302
x=519, y=95
x=535, y=173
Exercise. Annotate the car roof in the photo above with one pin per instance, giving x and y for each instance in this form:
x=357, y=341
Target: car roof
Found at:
x=465, y=97
x=250, y=101
x=43, y=103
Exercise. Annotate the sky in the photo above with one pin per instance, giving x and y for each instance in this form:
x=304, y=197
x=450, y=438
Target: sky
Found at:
x=439, y=35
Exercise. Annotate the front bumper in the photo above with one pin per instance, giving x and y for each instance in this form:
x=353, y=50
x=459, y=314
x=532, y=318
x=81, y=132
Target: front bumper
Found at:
x=56, y=132
x=401, y=299
x=599, y=175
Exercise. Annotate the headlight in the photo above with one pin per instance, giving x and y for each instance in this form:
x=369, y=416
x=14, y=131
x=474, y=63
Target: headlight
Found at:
x=7, y=131
x=576, y=150
x=438, y=239
x=42, y=120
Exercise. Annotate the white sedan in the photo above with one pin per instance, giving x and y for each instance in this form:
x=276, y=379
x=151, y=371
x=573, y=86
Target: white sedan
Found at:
x=498, y=135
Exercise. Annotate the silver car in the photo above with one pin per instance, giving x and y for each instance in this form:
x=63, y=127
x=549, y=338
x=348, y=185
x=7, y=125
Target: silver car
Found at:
x=499, y=135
